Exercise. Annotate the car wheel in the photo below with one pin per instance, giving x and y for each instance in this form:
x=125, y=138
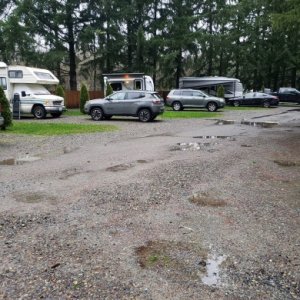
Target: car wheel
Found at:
x=212, y=106
x=97, y=114
x=56, y=115
x=145, y=115
x=177, y=106
x=39, y=112
x=236, y=103
x=266, y=104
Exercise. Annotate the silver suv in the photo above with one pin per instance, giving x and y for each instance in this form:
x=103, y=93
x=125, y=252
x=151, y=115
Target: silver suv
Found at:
x=142, y=104
x=188, y=98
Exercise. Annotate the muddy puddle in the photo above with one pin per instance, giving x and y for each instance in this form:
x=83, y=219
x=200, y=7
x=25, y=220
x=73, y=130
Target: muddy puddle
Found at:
x=213, y=263
x=178, y=260
x=215, y=137
x=19, y=161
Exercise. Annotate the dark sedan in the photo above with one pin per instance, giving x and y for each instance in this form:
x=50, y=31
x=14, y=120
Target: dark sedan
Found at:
x=254, y=99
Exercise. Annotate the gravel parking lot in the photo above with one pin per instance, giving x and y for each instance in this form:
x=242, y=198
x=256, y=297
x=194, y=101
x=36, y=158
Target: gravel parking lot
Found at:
x=173, y=209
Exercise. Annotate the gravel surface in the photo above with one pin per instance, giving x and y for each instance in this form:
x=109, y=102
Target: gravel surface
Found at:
x=173, y=209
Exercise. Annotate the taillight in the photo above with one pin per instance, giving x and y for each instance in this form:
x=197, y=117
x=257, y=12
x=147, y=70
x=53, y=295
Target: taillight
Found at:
x=156, y=101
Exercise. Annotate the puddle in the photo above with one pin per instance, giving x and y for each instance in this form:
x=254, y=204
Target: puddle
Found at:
x=266, y=124
x=213, y=137
x=213, y=263
x=19, y=161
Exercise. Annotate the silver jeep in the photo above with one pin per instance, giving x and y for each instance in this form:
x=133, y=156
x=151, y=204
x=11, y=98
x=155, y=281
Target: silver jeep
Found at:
x=142, y=104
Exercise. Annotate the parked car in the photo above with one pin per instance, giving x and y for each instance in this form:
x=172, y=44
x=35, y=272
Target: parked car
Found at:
x=287, y=94
x=255, y=99
x=188, y=98
x=142, y=104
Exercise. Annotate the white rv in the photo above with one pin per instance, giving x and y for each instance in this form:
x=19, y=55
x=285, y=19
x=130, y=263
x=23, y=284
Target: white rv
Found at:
x=209, y=84
x=128, y=81
x=25, y=86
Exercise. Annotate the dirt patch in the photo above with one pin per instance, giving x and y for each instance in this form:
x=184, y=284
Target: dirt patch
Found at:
x=34, y=198
x=121, y=167
x=174, y=260
x=287, y=163
x=206, y=200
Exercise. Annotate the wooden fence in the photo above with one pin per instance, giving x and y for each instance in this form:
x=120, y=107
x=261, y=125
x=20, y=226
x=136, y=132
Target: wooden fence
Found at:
x=73, y=97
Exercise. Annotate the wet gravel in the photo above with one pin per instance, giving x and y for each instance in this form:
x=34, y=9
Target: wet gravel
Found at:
x=138, y=213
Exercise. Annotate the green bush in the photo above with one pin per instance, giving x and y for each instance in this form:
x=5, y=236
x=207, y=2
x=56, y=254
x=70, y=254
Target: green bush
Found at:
x=84, y=97
x=109, y=89
x=5, y=110
x=220, y=91
x=61, y=92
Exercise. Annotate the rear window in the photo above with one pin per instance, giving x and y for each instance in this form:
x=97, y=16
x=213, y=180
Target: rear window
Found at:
x=132, y=95
x=187, y=93
x=157, y=96
x=177, y=93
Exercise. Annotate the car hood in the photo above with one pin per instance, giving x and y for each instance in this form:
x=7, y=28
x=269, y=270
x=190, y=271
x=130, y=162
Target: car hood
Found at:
x=98, y=101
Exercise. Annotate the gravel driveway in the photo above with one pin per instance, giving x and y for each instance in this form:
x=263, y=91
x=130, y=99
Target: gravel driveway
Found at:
x=173, y=209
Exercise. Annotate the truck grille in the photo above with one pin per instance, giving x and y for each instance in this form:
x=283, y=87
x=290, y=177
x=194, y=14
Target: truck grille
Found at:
x=57, y=102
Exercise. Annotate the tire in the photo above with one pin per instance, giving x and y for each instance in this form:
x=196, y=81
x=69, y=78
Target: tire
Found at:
x=177, y=106
x=236, y=103
x=39, y=112
x=212, y=106
x=145, y=115
x=266, y=104
x=56, y=115
x=97, y=114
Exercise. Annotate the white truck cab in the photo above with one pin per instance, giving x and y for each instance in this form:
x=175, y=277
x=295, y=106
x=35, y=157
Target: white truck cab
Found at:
x=128, y=81
x=26, y=87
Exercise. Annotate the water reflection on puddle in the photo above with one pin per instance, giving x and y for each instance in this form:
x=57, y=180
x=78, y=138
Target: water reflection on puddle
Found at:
x=212, y=277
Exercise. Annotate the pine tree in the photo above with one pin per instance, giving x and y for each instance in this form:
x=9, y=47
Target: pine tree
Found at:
x=220, y=91
x=84, y=97
x=109, y=89
x=5, y=110
x=60, y=92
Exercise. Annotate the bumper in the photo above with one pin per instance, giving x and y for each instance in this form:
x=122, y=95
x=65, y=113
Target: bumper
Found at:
x=221, y=104
x=55, y=109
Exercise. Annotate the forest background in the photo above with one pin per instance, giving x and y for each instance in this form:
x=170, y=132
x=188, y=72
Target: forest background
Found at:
x=256, y=41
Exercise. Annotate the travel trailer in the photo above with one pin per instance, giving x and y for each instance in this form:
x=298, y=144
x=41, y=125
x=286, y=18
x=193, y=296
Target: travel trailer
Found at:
x=232, y=86
x=128, y=81
x=25, y=88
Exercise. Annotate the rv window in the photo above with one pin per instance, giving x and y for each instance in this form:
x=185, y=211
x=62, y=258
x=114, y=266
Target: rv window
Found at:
x=138, y=85
x=43, y=75
x=15, y=74
x=3, y=83
x=116, y=86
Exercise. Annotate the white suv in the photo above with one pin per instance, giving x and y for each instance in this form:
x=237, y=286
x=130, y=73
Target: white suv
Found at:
x=188, y=98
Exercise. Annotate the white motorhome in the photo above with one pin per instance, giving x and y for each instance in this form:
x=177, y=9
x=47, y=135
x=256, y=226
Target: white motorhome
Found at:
x=128, y=81
x=209, y=84
x=25, y=86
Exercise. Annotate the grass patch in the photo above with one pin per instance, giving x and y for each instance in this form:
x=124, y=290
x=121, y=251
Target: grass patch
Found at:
x=48, y=129
x=188, y=114
x=73, y=112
